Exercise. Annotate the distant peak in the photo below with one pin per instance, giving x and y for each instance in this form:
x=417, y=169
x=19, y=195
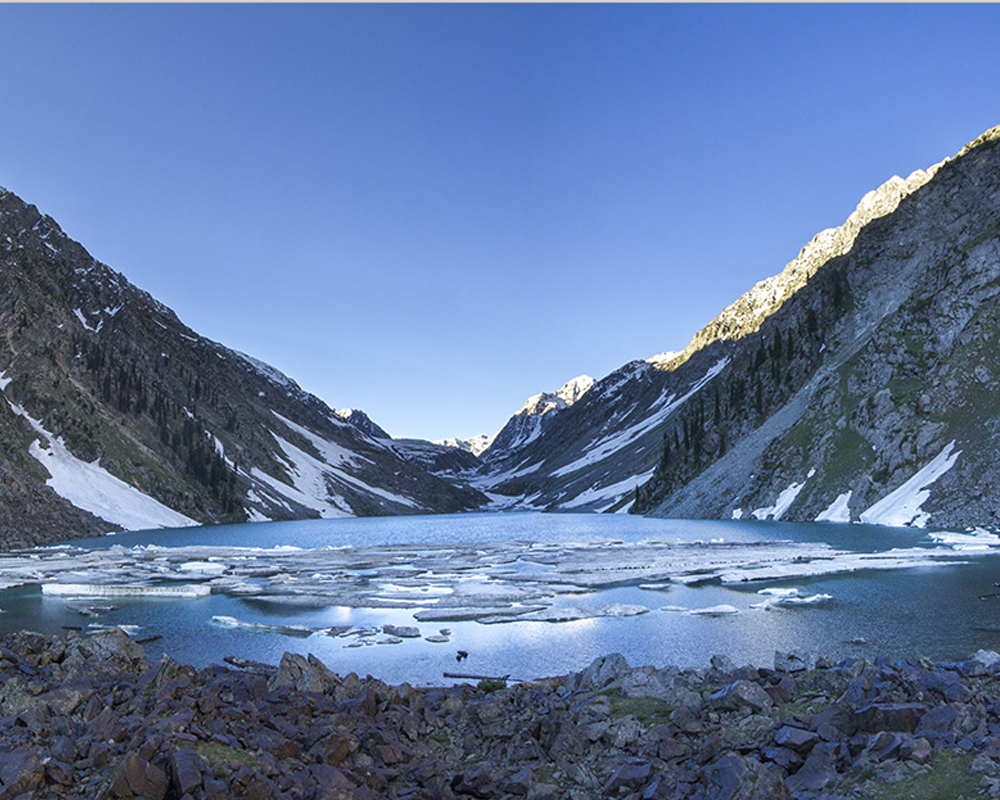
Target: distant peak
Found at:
x=360, y=420
x=574, y=389
x=474, y=444
x=569, y=393
x=663, y=359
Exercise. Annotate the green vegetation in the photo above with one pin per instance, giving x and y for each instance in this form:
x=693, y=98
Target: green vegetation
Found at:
x=647, y=710
x=219, y=756
x=490, y=685
x=950, y=778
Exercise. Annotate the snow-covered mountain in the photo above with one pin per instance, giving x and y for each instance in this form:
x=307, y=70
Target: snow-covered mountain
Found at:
x=476, y=445
x=533, y=417
x=117, y=415
x=859, y=383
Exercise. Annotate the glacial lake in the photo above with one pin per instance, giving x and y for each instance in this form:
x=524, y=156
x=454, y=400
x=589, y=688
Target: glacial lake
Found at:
x=945, y=607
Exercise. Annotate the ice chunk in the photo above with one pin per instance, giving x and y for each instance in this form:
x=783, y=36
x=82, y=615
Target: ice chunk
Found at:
x=976, y=539
x=262, y=627
x=722, y=610
x=114, y=590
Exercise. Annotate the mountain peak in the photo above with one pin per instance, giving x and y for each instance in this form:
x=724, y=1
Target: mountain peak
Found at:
x=745, y=315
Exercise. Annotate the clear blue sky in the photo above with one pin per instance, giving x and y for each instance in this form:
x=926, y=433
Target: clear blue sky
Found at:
x=432, y=212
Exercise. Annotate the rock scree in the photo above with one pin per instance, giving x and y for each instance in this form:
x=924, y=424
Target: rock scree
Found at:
x=91, y=717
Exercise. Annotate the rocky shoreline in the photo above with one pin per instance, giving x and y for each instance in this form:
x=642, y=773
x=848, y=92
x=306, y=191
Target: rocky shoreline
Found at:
x=91, y=717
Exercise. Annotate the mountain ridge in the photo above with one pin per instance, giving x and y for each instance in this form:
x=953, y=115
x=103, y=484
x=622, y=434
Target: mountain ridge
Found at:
x=103, y=383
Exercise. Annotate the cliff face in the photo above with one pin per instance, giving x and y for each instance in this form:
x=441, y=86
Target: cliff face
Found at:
x=859, y=383
x=116, y=414
x=869, y=392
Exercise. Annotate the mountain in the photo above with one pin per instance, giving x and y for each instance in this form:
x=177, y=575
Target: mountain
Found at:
x=531, y=420
x=859, y=383
x=117, y=415
x=360, y=420
x=475, y=445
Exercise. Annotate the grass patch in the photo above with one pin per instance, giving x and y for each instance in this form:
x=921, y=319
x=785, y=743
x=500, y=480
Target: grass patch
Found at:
x=647, y=710
x=221, y=756
x=441, y=738
x=950, y=778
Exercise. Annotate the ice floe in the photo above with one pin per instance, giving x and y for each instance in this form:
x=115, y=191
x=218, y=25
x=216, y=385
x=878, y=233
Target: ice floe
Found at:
x=789, y=597
x=489, y=582
x=977, y=539
x=263, y=627
x=721, y=610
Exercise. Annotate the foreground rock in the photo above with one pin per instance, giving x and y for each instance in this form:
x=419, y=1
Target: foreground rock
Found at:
x=90, y=717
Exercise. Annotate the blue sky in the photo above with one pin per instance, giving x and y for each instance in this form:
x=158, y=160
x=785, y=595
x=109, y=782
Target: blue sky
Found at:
x=433, y=212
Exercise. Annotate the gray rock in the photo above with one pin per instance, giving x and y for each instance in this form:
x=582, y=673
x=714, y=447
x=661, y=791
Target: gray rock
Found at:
x=818, y=771
x=795, y=738
x=916, y=750
x=741, y=694
x=21, y=772
x=601, y=672
x=890, y=717
x=520, y=782
x=665, y=685
x=305, y=674
x=722, y=663
x=628, y=775
x=401, y=631
x=790, y=662
x=186, y=770
x=936, y=725
x=884, y=745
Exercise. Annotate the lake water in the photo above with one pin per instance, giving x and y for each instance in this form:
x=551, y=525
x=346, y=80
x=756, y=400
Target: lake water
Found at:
x=946, y=611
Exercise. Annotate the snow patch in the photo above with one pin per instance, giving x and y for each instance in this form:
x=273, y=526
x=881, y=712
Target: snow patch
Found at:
x=91, y=487
x=784, y=501
x=660, y=360
x=838, y=510
x=83, y=321
x=902, y=506
x=598, y=452
x=613, y=492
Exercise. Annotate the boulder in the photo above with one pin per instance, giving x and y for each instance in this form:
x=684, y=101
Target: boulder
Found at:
x=741, y=694
x=21, y=772
x=630, y=776
x=790, y=662
x=401, y=631
x=796, y=739
x=890, y=717
x=601, y=672
x=304, y=674
x=186, y=770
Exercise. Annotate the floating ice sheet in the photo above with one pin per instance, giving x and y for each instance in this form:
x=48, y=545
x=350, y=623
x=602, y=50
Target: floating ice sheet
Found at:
x=447, y=581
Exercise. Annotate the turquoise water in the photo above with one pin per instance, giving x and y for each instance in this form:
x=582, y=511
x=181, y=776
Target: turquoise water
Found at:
x=937, y=611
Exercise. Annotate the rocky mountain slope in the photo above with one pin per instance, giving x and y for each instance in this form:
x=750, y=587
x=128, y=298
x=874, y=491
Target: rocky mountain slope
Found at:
x=117, y=415
x=860, y=383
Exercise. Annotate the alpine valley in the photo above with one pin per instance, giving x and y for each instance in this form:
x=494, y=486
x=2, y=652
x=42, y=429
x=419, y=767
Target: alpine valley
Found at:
x=118, y=416
x=859, y=384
